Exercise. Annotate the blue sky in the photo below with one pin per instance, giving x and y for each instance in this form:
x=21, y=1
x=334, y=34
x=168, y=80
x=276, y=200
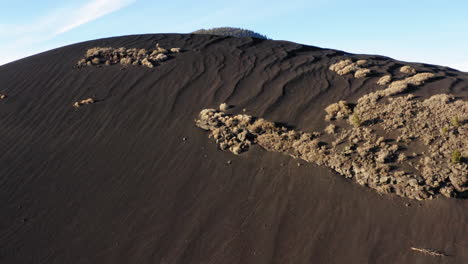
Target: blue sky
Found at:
x=427, y=31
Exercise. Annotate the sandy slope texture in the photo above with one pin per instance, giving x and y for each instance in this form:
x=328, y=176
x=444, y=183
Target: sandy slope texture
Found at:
x=131, y=179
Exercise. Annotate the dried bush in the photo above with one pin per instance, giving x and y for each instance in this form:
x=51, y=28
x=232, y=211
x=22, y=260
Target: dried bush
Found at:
x=401, y=85
x=407, y=69
x=384, y=80
x=361, y=73
x=340, y=65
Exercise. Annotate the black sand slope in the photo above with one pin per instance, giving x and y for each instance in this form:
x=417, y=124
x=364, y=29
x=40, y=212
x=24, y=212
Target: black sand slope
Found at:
x=114, y=181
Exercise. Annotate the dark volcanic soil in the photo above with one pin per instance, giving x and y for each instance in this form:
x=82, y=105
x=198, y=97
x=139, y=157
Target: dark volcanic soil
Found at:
x=114, y=181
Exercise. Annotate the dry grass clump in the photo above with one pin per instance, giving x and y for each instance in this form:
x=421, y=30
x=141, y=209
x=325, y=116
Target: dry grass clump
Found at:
x=87, y=101
x=110, y=56
x=408, y=70
x=330, y=129
x=2, y=96
x=361, y=73
x=400, y=86
x=428, y=252
x=223, y=107
x=230, y=132
x=384, y=80
x=361, y=62
x=344, y=67
x=348, y=69
x=340, y=65
x=338, y=110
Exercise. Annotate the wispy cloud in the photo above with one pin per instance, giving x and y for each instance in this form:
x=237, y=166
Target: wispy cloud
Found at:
x=91, y=11
x=26, y=39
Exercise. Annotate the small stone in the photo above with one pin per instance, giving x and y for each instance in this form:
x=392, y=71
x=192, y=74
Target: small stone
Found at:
x=229, y=162
x=184, y=139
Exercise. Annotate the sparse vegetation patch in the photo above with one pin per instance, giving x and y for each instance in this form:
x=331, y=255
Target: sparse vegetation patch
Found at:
x=126, y=57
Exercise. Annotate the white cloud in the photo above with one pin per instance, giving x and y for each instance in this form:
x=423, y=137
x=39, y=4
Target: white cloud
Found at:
x=91, y=11
x=26, y=39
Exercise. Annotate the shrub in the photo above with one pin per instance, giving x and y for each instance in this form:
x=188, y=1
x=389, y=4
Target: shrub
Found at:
x=230, y=31
x=223, y=107
x=444, y=130
x=340, y=65
x=455, y=121
x=456, y=157
x=408, y=70
x=401, y=85
x=361, y=73
x=361, y=62
x=355, y=120
x=384, y=80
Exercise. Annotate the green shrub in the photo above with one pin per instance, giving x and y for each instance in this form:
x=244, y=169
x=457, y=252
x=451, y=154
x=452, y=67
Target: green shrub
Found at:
x=456, y=157
x=355, y=120
x=444, y=130
x=455, y=121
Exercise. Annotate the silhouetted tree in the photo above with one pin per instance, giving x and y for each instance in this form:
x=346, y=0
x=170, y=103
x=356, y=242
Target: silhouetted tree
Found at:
x=230, y=31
